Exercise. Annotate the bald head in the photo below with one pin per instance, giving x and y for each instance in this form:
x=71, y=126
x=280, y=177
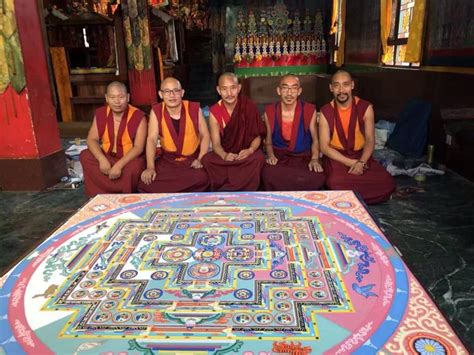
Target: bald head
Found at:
x=117, y=85
x=228, y=76
x=117, y=97
x=229, y=88
x=170, y=81
x=289, y=89
x=171, y=93
x=289, y=77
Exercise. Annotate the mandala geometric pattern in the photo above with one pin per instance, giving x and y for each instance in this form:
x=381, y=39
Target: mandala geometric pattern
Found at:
x=252, y=273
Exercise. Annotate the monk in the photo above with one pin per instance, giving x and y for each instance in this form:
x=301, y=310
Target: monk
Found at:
x=236, y=134
x=184, y=137
x=113, y=161
x=291, y=143
x=347, y=139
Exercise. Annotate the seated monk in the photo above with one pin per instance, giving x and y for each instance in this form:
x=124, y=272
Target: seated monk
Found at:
x=113, y=162
x=236, y=130
x=292, y=142
x=347, y=138
x=184, y=139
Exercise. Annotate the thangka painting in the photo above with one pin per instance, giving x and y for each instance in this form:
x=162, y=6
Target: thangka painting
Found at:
x=274, y=40
x=363, y=32
x=450, y=40
x=247, y=273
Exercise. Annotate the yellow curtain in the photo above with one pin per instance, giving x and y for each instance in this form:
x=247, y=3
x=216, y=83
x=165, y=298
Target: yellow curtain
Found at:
x=385, y=23
x=334, y=19
x=338, y=21
x=415, y=37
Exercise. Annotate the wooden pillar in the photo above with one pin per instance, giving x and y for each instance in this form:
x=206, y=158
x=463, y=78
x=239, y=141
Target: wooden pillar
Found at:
x=31, y=157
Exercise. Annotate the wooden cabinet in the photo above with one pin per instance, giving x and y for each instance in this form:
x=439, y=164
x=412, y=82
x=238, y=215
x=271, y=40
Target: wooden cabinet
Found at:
x=87, y=52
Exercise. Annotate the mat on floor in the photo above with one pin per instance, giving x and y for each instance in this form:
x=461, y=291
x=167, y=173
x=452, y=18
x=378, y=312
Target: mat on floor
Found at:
x=247, y=273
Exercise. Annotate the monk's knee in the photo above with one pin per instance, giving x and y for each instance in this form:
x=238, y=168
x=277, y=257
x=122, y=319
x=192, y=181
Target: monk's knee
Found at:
x=86, y=157
x=332, y=182
x=134, y=167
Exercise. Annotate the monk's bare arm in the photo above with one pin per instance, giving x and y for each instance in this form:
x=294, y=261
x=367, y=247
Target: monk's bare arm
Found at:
x=93, y=143
x=326, y=149
x=254, y=145
x=271, y=158
x=204, y=134
x=369, y=129
x=361, y=165
x=137, y=149
x=149, y=174
x=216, y=137
x=205, y=140
x=314, y=164
x=313, y=129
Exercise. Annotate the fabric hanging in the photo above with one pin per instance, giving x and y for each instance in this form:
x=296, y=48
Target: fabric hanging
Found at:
x=415, y=37
x=11, y=60
x=385, y=25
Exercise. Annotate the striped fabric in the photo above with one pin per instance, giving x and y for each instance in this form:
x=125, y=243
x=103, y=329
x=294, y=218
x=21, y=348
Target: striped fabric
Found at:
x=120, y=145
x=186, y=142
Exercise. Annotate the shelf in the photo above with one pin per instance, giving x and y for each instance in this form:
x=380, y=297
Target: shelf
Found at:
x=87, y=100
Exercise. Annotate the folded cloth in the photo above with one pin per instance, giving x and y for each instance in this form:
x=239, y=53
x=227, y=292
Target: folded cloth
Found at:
x=422, y=169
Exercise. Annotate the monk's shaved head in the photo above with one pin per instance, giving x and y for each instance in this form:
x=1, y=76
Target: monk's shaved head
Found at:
x=170, y=81
x=117, y=84
x=117, y=97
x=229, y=88
x=228, y=75
x=286, y=77
x=339, y=73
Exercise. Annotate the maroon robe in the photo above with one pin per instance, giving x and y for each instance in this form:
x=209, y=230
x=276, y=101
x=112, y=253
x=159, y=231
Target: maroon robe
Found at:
x=375, y=185
x=291, y=173
x=97, y=183
x=173, y=169
x=94, y=181
x=244, y=126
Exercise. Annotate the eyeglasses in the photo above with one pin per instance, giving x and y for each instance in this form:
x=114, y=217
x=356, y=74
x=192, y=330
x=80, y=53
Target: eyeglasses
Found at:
x=167, y=92
x=289, y=88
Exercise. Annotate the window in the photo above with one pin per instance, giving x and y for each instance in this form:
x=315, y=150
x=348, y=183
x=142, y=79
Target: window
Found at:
x=402, y=13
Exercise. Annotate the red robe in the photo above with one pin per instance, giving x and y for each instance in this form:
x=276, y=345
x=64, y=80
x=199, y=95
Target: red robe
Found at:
x=237, y=132
x=375, y=184
x=179, y=149
x=94, y=181
x=291, y=173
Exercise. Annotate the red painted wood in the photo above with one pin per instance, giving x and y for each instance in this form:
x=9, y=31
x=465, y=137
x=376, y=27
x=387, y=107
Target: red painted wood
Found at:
x=17, y=139
x=43, y=122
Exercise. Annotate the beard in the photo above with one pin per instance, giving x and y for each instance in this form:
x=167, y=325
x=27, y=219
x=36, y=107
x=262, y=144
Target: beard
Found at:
x=342, y=98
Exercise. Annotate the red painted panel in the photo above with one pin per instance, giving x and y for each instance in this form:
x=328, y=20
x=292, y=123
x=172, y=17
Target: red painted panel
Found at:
x=43, y=112
x=16, y=128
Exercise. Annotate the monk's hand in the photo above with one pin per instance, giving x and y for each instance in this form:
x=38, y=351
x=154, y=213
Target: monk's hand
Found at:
x=357, y=168
x=148, y=175
x=196, y=164
x=230, y=157
x=104, y=166
x=244, y=153
x=115, y=172
x=315, y=165
x=272, y=160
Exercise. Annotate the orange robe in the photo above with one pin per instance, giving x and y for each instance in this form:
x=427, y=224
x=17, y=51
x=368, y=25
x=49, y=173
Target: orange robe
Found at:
x=375, y=185
x=237, y=132
x=94, y=181
x=293, y=150
x=180, y=147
